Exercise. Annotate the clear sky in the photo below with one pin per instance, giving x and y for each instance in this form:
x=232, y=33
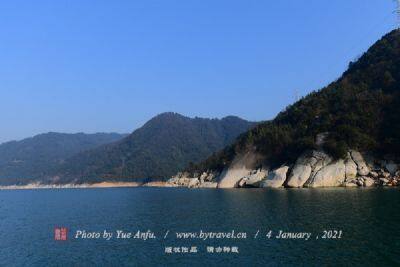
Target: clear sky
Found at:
x=102, y=66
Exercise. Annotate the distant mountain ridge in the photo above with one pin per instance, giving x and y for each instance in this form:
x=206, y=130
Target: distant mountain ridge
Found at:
x=31, y=158
x=165, y=144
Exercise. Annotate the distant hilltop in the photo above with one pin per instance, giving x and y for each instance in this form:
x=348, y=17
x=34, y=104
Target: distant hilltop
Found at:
x=157, y=150
x=23, y=161
x=165, y=144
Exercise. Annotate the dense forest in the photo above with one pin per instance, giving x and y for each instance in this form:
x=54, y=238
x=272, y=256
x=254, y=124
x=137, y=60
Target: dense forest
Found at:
x=165, y=144
x=361, y=110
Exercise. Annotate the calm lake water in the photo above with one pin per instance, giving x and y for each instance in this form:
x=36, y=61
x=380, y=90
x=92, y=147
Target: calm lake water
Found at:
x=368, y=218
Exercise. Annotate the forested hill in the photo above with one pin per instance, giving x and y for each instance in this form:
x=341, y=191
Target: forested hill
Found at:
x=164, y=145
x=361, y=110
x=34, y=157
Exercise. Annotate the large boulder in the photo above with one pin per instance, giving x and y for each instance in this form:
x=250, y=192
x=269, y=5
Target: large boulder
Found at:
x=242, y=182
x=351, y=169
x=299, y=175
x=193, y=182
x=276, y=178
x=184, y=181
x=231, y=177
x=307, y=166
x=240, y=167
x=203, y=176
x=255, y=178
x=331, y=175
x=368, y=182
x=322, y=160
x=211, y=177
x=362, y=168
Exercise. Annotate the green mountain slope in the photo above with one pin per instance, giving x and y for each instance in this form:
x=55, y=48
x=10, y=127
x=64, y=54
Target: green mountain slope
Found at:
x=160, y=148
x=34, y=157
x=361, y=111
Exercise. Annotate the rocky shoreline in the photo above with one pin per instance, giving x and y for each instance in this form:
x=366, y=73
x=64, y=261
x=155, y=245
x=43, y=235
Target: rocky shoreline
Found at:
x=108, y=184
x=313, y=169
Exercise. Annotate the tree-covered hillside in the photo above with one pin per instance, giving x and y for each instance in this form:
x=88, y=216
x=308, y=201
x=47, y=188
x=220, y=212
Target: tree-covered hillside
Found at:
x=164, y=145
x=361, y=110
x=34, y=157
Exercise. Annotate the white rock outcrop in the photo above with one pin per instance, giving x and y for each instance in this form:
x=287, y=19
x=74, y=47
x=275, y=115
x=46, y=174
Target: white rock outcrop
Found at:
x=276, y=178
x=328, y=176
x=362, y=168
x=351, y=169
x=240, y=167
x=193, y=182
x=312, y=169
x=231, y=177
x=242, y=182
x=368, y=182
x=301, y=171
x=306, y=167
x=255, y=178
x=299, y=175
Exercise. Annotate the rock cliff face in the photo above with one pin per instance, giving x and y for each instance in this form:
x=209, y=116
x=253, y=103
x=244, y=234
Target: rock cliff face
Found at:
x=306, y=167
x=313, y=169
x=239, y=168
x=330, y=175
x=276, y=178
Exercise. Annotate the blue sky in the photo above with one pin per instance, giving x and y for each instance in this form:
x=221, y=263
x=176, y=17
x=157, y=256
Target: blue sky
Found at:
x=102, y=66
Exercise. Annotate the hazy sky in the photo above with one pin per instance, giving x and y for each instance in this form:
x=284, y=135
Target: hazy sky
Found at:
x=101, y=66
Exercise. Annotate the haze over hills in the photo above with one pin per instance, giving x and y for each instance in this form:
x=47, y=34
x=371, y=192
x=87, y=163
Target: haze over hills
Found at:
x=165, y=144
x=360, y=111
x=33, y=157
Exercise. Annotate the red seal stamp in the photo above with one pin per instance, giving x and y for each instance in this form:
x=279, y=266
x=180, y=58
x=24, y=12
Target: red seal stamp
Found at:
x=60, y=233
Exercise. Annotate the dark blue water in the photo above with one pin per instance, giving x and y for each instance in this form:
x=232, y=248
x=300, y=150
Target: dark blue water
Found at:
x=369, y=220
